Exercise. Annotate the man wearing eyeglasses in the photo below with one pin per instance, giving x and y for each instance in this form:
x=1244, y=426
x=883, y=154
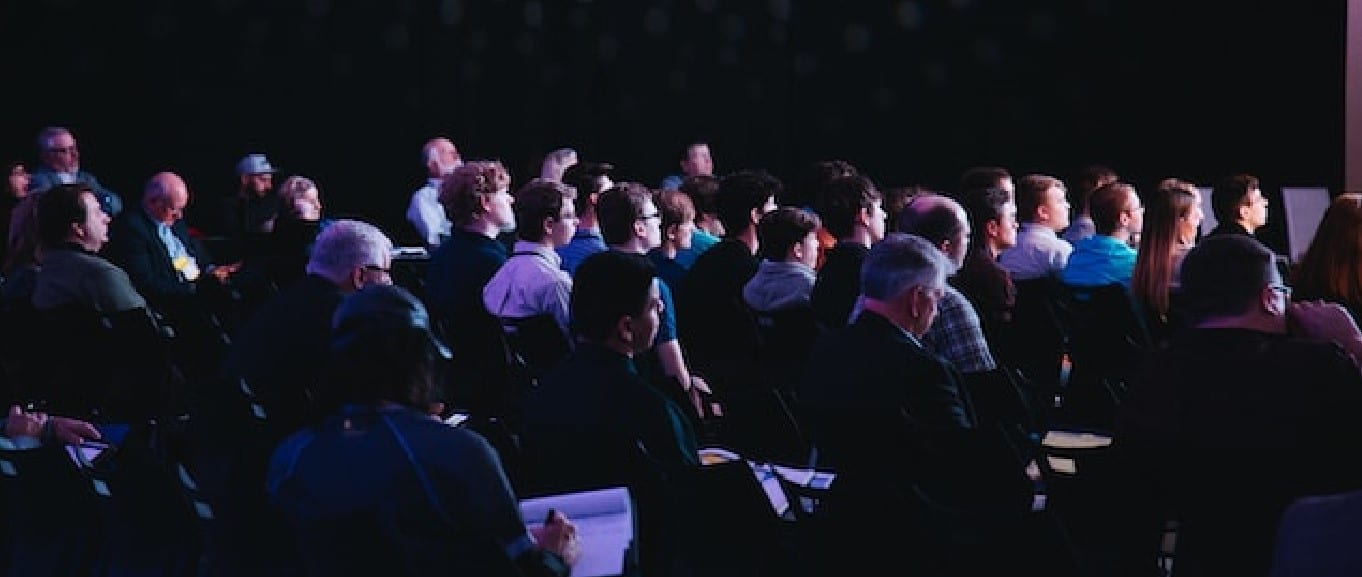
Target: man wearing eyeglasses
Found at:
x=280, y=354
x=1252, y=407
x=61, y=165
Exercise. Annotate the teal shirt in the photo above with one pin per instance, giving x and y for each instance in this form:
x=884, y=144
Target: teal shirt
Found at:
x=700, y=242
x=1100, y=260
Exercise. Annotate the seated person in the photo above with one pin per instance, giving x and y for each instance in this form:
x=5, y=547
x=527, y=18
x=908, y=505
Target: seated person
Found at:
x=531, y=283
x=1106, y=258
x=678, y=232
x=430, y=498
x=1251, y=407
x=295, y=230
x=72, y=229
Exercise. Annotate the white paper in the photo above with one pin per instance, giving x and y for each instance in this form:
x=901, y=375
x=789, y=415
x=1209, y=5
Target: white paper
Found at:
x=605, y=526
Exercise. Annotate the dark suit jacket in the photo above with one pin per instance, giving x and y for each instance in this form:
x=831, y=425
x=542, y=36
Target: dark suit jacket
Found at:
x=875, y=399
x=44, y=178
x=135, y=246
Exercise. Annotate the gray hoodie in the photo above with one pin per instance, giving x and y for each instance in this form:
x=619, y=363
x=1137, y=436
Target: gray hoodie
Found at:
x=779, y=285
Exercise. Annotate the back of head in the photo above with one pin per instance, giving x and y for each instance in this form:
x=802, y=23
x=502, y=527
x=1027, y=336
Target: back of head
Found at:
x=556, y=162
x=619, y=208
x=462, y=191
x=1107, y=204
x=841, y=201
x=703, y=191
x=1089, y=179
x=537, y=200
x=810, y=182
x=1229, y=194
x=1223, y=276
x=782, y=229
x=980, y=177
x=1331, y=267
x=899, y=262
x=932, y=217
x=346, y=245
x=57, y=209
x=383, y=348
x=585, y=178
x=606, y=287
x=742, y=192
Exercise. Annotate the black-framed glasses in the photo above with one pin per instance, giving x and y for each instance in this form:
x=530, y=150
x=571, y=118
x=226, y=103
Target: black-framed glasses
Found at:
x=376, y=268
x=1281, y=289
x=63, y=149
x=656, y=215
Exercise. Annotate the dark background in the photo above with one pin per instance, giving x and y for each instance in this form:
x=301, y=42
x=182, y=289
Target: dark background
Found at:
x=912, y=92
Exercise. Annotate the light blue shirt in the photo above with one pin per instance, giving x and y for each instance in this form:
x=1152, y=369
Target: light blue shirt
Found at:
x=1100, y=260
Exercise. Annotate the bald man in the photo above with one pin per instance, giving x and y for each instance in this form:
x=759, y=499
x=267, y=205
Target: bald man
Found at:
x=172, y=269
x=425, y=213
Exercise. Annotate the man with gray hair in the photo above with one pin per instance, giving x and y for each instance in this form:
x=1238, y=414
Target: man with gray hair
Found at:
x=61, y=165
x=896, y=423
x=279, y=356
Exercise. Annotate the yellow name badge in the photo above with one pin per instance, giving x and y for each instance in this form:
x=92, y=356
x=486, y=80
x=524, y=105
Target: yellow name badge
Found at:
x=187, y=267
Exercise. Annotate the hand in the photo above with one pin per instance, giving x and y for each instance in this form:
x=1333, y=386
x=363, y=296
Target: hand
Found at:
x=72, y=431
x=558, y=535
x=21, y=424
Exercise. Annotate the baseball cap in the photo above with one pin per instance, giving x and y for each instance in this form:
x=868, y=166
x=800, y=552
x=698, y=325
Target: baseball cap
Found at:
x=254, y=164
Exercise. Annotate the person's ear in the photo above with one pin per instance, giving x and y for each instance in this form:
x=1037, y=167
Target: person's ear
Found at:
x=548, y=226
x=797, y=252
x=357, y=277
x=673, y=232
x=993, y=228
x=1268, y=299
x=755, y=216
x=624, y=329
x=78, y=229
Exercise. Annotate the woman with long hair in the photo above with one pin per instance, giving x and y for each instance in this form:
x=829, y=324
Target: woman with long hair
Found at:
x=1171, y=220
x=1331, y=268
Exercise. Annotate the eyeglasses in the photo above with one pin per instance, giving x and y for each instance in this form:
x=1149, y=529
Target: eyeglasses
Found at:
x=1281, y=289
x=656, y=215
x=63, y=149
x=376, y=268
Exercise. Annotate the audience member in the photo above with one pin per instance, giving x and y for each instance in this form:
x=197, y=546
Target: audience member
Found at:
x=1239, y=205
x=695, y=161
x=1044, y=212
x=809, y=189
x=982, y=177
x=589, y=179
x=1222, y=417
x=295, y=230
x=1331, y=268
x=72, y=229
x=897, y=197
x=678, y=232
x=631, y=223
x=956, y=335
x=280, y=355
x=431, y=498
x=788, y=247
x=21, y=264
x=424, y=212
x=1089, y=179
x=704, y=193
x=478, y=200
x=1172, y=219
x=61, y=165
x=241, y=222
x=851, y=209
x=715, y=324
x=988, y=286
x=595, y=421
x=1106, y=257
x=532, y=282
x=16, y=188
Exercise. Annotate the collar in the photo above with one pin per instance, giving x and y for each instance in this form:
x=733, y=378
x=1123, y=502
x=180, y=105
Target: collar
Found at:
x=539, y=250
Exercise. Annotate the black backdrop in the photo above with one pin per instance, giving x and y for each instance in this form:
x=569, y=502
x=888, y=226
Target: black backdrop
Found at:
x=912, y=91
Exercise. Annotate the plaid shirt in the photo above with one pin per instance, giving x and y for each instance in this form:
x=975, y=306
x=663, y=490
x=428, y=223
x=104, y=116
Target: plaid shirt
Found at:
x=956, y=336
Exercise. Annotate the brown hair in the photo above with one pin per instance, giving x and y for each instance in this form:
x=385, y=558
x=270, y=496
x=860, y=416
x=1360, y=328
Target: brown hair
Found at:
x=1331, y=268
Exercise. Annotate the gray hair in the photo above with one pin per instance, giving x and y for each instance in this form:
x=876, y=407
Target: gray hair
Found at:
x=46, y=135
x=899, y=262
x=346, y=245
